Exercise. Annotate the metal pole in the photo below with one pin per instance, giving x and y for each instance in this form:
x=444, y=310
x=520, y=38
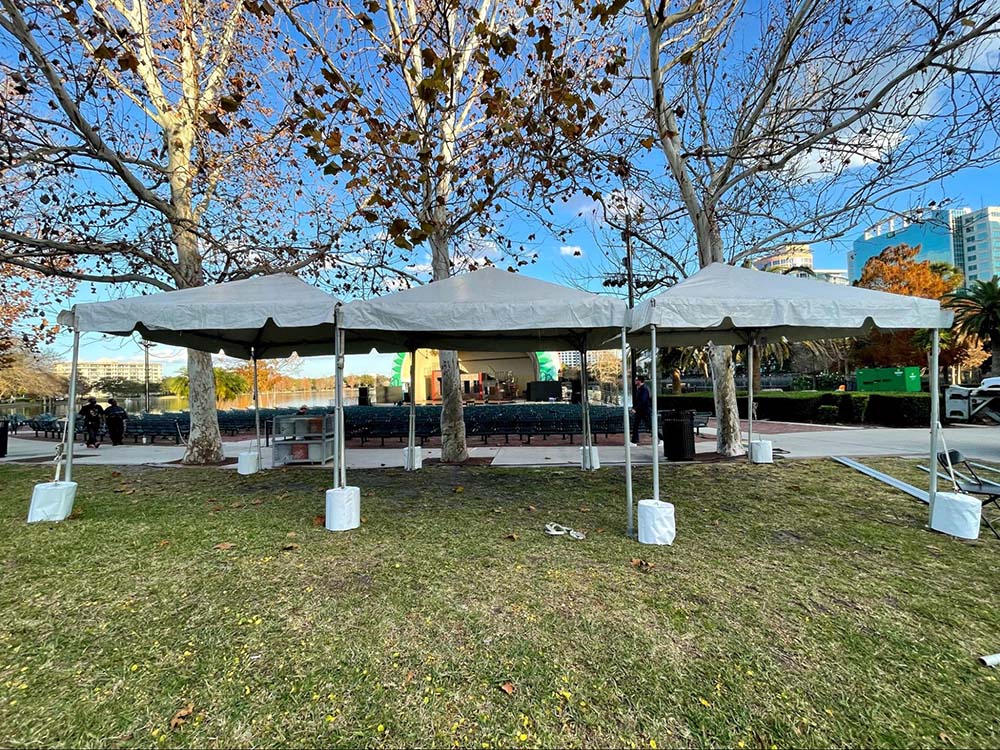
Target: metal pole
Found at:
x=341, y=443
x=654, y=418
x=71, y=407
x=935, y=419
x=626, y=385
x=146, y=352
x=750, y=343
x=412, y=435
x=336, y=409
x=585, y=402
x=256, y=404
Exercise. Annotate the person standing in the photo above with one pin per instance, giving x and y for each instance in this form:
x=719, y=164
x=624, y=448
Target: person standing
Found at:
x=114, y=418
x=92, y=414
x=642, y=410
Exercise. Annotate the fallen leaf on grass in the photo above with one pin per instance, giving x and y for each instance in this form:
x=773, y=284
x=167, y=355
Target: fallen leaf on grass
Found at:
x=291, y=534
x=290, y=547
x=599, y=530
x=257, y=501
x=319, y=520
x=642, y=565
x=238, y=505
x=584, y=509
x=508, y=687
x=364, y=520
x=216, y=508
x=409, y=677
x=164, y=542
x=182, y=716
x=512, y=537
x=224, y=545
x=116, y=473
x=531, y=508
x=125, y=490
x=459, y=489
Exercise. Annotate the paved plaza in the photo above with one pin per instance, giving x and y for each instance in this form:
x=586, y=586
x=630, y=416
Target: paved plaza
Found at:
x=977, y=441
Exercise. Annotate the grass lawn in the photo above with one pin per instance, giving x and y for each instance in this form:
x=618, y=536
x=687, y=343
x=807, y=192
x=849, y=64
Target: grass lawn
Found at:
x=802, y=605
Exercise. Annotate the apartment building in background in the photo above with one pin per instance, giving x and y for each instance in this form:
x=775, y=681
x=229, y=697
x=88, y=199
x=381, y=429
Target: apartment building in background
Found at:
x=109, y=368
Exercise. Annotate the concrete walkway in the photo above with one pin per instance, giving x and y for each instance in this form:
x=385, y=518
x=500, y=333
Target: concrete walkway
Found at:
x=980, y=442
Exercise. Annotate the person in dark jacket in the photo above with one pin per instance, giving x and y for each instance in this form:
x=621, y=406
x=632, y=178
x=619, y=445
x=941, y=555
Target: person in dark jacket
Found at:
x=92, y=414
x=114, y=418
x=642, y=408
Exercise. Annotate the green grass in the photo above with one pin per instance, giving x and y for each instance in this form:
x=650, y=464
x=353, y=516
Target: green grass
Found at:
x=801, y=605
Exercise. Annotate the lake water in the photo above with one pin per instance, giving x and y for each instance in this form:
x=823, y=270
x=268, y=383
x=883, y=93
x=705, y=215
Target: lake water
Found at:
x=176, y=403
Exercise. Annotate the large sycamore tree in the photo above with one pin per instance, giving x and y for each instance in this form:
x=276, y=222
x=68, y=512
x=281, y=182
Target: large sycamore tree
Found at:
x=148, y=144
x=446, y=118
x=795, y=120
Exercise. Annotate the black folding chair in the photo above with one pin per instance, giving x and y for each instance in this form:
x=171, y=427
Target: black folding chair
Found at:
x=987, y=491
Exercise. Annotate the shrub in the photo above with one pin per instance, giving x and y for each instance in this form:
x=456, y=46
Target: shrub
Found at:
x=899, y=409
x=827, y=414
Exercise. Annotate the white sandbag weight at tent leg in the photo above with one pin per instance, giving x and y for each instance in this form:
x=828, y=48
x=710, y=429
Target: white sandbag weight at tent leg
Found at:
x=990, y=660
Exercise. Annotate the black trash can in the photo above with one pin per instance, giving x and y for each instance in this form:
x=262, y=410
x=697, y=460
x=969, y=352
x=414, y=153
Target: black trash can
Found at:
x=4, y=426
x=363, y=398
x=677, y=430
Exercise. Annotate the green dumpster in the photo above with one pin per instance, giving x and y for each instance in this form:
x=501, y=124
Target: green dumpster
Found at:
x=897, y=379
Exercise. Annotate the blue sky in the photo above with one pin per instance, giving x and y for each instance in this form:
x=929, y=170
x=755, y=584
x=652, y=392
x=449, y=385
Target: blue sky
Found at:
x=972, y=187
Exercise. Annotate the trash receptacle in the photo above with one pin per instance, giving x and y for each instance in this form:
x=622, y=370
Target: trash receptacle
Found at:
x=4, y=426
x=677, y=430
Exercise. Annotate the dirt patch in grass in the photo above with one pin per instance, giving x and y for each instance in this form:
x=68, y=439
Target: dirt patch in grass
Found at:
x=802, y=604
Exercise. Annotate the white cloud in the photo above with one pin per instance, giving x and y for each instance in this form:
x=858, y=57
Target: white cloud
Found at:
x=571, y=251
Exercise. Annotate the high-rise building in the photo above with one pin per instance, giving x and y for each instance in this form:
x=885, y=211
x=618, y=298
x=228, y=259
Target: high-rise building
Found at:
x=796, y=255
x=938, y=232
x=109, y=368
x=979, y=240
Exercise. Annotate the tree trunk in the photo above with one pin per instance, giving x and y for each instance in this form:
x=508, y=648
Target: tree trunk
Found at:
x=205, y=441
x=729, y=438
x=453, y=447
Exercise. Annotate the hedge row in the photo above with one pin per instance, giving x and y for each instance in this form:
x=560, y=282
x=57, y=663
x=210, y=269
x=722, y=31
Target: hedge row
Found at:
x=888, y=409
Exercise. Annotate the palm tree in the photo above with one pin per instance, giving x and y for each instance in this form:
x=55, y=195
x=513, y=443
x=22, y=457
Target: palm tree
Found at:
x=228, y=384
x=977, y=313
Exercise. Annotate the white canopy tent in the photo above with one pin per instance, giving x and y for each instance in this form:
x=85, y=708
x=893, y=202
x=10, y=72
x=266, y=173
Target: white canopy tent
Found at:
x=486, y=310
x=725, y=304
x=259, y=318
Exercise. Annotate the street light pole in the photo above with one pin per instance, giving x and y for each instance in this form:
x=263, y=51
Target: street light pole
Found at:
x=147, y=345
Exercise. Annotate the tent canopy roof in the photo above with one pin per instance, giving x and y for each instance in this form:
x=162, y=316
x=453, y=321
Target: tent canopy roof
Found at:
x=485, y=310
x=275, y=315
x=723, y=303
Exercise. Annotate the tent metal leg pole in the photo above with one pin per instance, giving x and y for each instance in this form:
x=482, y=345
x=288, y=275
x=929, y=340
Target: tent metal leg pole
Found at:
x=626, y=384
x=412, y=434
x=341, y=441
x=654, y=421
x=935, y=418
x=256, y=407
x=71, y=407
x=750, y=345
x=336, y=409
